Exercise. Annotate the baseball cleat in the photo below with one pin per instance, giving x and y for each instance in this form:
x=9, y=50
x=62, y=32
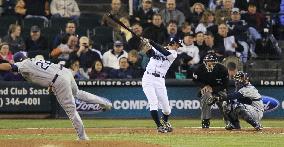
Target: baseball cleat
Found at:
x=258, y=127
x=232, y=127
x=162, y=129
x=83, y=138
x=167, y=126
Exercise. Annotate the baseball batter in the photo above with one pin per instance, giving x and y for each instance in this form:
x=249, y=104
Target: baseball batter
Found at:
x=61, y=81
x=153, y=81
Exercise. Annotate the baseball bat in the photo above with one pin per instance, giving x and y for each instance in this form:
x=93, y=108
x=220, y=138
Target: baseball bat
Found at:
x=122, y=25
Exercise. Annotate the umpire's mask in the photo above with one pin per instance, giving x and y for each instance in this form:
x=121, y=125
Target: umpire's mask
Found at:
x=210, y=60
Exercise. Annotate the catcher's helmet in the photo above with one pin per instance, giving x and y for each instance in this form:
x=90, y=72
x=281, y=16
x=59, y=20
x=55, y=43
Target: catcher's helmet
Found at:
x=210, y=60
x=19, y=56
x=241, y=78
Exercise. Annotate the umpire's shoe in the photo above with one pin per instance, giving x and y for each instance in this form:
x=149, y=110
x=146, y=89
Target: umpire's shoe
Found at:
x=167, y=126
x=162, y=129
x=205, y=123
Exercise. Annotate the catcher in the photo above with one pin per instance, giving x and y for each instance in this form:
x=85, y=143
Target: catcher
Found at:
x=245, y=102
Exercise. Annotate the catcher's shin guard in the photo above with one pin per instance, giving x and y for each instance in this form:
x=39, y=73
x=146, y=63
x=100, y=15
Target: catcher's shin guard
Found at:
x=249, y=119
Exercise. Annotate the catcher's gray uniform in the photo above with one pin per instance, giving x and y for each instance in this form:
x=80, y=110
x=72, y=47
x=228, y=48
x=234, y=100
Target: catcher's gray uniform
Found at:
x=63, y=85
x=245, y=103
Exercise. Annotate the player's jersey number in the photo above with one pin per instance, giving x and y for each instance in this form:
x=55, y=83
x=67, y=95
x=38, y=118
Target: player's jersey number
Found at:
x=43, y=64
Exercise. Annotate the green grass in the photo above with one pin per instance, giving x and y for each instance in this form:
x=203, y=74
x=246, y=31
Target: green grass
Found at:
x=176, y=140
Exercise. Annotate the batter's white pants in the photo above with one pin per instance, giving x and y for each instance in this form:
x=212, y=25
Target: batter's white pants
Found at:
x=156, y=93
x=65, y=89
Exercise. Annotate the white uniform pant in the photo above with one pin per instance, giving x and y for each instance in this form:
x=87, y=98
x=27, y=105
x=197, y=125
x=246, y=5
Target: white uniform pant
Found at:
x=65, y=89
x=156, y=93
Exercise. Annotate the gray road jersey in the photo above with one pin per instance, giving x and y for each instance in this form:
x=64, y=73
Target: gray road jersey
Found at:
x=251, y=92
x=38, y=71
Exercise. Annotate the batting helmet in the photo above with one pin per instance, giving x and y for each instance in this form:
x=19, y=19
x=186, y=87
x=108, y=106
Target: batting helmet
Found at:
x=19, y=56
x=210, y=60
x=175, y=40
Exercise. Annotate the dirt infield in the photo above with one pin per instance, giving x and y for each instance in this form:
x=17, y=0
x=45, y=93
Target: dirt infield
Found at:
x=52, y=143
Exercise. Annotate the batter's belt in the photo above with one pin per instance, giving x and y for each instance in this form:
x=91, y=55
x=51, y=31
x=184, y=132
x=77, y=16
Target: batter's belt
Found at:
x=56, y=75
x=156, y=75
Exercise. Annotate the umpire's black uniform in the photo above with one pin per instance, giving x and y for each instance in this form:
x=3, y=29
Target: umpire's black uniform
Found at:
x=218, y=79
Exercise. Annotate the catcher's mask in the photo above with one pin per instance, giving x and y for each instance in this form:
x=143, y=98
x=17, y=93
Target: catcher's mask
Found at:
x=241, y=79
x=210, y=60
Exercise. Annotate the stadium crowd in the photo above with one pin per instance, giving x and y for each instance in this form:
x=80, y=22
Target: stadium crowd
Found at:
x=236, y=29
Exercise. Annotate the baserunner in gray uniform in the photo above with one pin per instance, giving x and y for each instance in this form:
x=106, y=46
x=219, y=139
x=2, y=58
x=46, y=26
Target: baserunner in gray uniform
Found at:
x=245, y=103
x=62, y=83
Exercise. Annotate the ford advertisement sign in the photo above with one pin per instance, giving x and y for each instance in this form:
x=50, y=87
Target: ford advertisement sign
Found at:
x=87, y=107
x=270, y=103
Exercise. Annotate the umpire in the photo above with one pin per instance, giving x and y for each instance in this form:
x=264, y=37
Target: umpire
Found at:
x=213, y=80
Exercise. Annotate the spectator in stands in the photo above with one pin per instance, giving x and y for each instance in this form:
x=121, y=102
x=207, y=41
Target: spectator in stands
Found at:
x=223, y=13
x=36, y=44
x=117, y=11
x=254, y=20
x=171, y=13
x=68, y=45
x=239, y=29
x=111, y=57
x=144, y=14
x=65, y=8
x=199, y=40
x=8, y=75
x=8, y=7
x=134, y=42
x=226, y=44
x=124, y=72
x=98, y=71
x=209, y=45
x=185, y=28
x=188, y=53
x=70, y=29
x=20, y=9
x=85, y=55
x=157, y=32
x=269, y=47
x=232, y=69
x=5, y=53
x=195, y=14
x=207, y=23
x=75, y=69
x=123, y=34
x=14, y=38
x=172, y=31
x=93, y=48
x=134, y=62
x=33, y=9
x=260, y=4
